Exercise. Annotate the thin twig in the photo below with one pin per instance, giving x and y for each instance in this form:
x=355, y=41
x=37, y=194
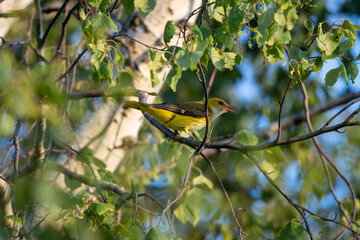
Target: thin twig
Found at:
x=51, y=24
x=63, y=27
x=322, y=154
x=226, y=194
x=72, y=65
x=280, y=110
x=272, y=182
x=341, y=111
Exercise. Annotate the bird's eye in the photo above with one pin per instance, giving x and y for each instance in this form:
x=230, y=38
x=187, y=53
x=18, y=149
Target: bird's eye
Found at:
x=221, y=102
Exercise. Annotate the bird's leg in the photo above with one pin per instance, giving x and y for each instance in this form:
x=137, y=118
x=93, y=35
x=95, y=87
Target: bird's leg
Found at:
x=191, y=136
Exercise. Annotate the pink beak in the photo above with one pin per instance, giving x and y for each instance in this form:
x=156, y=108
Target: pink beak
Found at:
x=229, y=107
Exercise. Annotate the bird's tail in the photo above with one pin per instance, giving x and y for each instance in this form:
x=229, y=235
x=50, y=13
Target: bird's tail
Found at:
x=133, y=104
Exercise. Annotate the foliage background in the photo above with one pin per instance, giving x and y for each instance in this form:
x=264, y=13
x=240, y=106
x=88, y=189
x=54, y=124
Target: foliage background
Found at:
x=48, y=179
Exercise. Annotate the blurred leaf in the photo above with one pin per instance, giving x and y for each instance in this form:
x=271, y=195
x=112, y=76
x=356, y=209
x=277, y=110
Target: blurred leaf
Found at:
x=94, y=3
x=104, y=5
x=72, y=184
x=274, y=154
x=129, y=5
x=7, y=124
x=124, y=79
x=102, y=208
x=156, y=234
x=202, y=180
x=246, y=138
x=15, y=219
x=293, y=230
x=189, y=208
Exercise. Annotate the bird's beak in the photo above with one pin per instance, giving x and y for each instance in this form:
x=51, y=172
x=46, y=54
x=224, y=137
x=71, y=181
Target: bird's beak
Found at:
x=229, y=107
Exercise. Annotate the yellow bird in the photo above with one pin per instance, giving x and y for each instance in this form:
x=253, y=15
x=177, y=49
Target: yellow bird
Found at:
x=186, y=117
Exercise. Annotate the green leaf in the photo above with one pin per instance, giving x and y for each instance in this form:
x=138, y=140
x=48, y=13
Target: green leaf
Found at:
x=118, y=59
x=202, y=180
x=353, y=69
x=154, y=78
x=102, y=208
x=217, y=58
x=291, y=17
x=15, y=219
x=105, y=70
x=278, y=34
x=104, y=5
x=82, y=14
x=197, y=32
x=236, y=17
x=326, y=41
x=94, y=3
x=224, y=37
x=332, y=76
x=274, y=53
x=183, y=57
x=345, y=75
x=293, y=230
x=303, y=69
x=145, y=6
x=156, y=234
x=230, y=59
x=265, y=21
x=100, y=23
x=157, y=60
x=169, y=32
x=309, y=26
x=196, y=51
x=349, y=30
x=128, y=5
x=317, y=65
x=246, y=138
x=173, y=76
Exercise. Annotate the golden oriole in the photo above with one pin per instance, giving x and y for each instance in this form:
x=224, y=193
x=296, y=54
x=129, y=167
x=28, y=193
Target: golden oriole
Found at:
x=186, y=117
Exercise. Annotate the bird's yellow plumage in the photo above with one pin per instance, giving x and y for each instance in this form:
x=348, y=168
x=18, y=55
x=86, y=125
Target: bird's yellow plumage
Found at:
x=183, y=116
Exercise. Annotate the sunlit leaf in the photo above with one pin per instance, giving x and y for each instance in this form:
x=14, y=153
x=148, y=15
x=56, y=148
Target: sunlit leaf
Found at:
x=145, y=6
x=169, y=31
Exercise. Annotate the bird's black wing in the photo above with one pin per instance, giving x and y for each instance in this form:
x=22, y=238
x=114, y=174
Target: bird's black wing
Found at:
x=193, y=109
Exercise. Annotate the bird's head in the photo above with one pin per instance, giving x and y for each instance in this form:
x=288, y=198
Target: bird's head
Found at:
x=219, y=106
